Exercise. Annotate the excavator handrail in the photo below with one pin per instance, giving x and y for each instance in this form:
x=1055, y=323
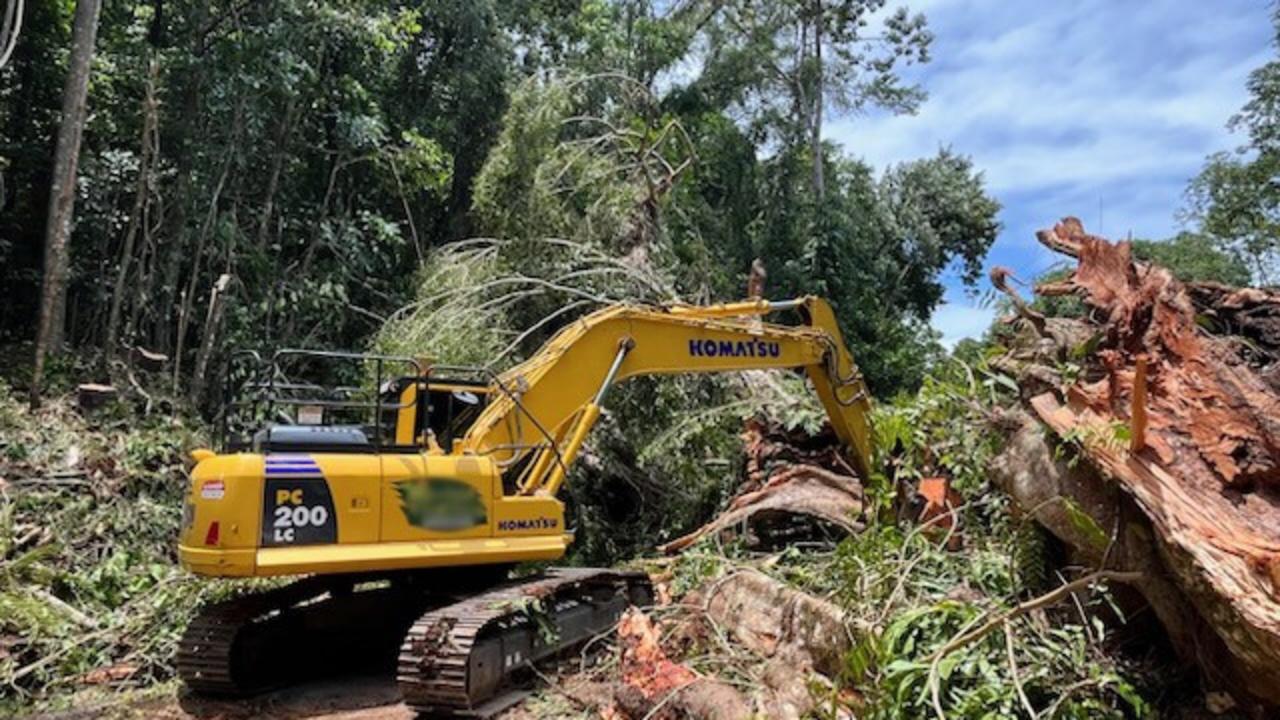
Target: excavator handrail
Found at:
x=497, y=382
x=267, y=386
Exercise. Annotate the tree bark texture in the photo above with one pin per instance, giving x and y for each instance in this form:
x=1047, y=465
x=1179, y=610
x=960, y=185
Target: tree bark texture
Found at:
x=62, y=196
x=1194, y=502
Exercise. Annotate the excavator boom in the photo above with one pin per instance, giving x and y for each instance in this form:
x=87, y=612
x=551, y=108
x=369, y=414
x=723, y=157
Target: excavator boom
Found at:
x=551, y=399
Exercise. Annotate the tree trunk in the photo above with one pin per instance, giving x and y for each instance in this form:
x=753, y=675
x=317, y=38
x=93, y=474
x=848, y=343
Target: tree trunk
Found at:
x=63, y=192
x=188, y=295
x=1191, y=497
x=277, y=165
x=815, y=122
x=136, y=215
x=212, y=320
x=178, y=234
x=143, y=287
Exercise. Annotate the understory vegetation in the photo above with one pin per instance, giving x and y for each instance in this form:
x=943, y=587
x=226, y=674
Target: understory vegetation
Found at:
x=90, y=591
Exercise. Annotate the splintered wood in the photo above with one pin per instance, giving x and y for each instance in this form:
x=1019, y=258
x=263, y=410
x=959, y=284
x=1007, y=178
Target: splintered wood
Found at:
x=1209, y=412
x=796, y=487
x=1203, y=458
x=655, y=687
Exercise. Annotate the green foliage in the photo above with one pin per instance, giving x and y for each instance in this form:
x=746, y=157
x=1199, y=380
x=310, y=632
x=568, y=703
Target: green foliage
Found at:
x=423, y=164
x=588, y=158
x=1058, y=670
x=909, y=597
x=88, y=574
x=311, y=151
x=1235, y=200
x=766, y=63
x=919, y=435
x=1192, y=257
x=876, y=250
x=489, y=302
x=317, y=152
x=446, y=324
x=511, y=191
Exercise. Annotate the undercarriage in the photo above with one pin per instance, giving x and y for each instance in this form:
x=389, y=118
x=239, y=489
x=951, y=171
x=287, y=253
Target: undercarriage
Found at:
x=465, y=648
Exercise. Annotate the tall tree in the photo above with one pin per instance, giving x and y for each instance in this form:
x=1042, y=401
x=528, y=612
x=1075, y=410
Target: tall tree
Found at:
x=1235, y=199
x=792, y=60
x=62, y=197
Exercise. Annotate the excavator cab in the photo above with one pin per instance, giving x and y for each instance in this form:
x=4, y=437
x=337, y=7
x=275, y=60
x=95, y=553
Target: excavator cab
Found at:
x=268, y=406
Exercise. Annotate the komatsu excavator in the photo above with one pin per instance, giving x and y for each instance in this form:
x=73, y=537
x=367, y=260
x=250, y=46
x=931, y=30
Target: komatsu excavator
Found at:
x=405, y=527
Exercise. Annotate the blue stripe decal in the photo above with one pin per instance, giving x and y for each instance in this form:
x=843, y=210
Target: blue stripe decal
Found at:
x=300, y=466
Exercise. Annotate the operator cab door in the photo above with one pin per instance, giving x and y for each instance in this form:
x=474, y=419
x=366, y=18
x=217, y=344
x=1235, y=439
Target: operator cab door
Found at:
x=436, y=497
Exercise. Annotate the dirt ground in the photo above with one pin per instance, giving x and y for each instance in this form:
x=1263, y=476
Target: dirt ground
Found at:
x=348, y=697
x=342, y=698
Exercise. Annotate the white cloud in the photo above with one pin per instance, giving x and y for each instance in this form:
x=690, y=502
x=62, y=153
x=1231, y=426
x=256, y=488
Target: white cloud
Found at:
x=1067, y=107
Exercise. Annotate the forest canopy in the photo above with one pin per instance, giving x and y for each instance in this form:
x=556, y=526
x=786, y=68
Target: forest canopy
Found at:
x=268, y=174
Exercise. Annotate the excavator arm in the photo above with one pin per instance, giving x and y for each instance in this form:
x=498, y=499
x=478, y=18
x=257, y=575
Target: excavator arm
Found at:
x=544, y=408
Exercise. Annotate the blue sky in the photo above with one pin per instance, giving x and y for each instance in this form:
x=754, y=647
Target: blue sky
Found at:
x=1099, y=109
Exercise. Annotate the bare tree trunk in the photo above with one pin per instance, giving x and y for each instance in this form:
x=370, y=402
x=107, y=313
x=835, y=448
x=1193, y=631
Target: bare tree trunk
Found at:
x=136, y=216
x=178, y=233
x=62, y=196
x=188, y=295
x=146, y=271
x=815, y=129
x=212, y=320
x=277, y=165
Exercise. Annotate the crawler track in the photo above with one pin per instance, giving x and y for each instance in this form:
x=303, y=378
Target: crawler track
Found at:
x=311, y=628
x=469, y=658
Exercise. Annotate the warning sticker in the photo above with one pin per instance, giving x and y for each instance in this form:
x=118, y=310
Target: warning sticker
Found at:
x=212, y=490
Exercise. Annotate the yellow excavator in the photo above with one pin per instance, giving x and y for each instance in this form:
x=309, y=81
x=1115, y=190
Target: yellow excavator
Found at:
x=406, y=504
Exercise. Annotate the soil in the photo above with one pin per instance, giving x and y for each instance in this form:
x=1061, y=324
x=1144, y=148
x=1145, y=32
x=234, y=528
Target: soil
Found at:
x=339, y=698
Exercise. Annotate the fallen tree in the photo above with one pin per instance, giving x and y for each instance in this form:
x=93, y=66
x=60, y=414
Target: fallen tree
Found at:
x=1173, y=411
x=795, y=486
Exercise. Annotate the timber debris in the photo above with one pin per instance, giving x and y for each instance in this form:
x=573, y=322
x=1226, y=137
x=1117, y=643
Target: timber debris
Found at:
x=1174, y=407
x=795, y=486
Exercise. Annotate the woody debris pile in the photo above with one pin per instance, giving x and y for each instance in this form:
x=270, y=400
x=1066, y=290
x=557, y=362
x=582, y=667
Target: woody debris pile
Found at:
x=1162, y=401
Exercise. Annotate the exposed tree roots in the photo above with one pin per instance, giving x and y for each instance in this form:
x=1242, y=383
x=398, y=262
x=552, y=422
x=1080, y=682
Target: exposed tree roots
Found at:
x=1192, y=502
